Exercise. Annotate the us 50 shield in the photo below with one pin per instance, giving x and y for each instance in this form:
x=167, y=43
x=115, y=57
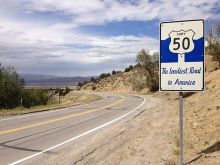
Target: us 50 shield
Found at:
x=182, y=55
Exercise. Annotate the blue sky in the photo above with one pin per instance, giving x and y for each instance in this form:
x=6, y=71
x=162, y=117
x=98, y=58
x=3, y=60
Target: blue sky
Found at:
x=124, y=27
x=88, y=37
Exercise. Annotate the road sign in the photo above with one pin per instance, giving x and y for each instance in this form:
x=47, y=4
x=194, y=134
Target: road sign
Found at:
x=182, y=55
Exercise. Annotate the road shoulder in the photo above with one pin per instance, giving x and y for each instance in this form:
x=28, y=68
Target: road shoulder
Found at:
x=144, y=137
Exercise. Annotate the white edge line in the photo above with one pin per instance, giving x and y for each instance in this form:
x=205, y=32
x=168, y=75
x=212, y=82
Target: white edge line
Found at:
x=77, y=137
x=49, y=111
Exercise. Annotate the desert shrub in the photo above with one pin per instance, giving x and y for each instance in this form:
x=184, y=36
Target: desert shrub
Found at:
x=92, y=79
x=151, y=66
x=138, y=65
x=80, y=84
x=66, y=91
x=138, y=85
x=33, y=97
x=93, y=87
x=152, y=82
x=62, y=92
x=84, y=83
x=129, y=68
x=104, y=75
x=114, y=72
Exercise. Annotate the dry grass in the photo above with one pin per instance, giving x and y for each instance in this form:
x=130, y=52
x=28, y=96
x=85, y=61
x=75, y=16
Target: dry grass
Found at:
x=69, y=100
x=132, y=81
x=176, y=149
x=202, y=121
x=170, y=162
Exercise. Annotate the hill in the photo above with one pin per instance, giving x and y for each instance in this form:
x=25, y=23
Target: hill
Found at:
x=50, y=80
x=131, y=81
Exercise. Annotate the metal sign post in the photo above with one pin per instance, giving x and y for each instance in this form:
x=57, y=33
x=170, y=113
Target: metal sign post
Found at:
x=182, y=62
x=181, y=139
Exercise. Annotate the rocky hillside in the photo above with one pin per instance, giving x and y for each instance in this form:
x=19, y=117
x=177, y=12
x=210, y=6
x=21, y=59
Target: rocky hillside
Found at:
x=132, y=81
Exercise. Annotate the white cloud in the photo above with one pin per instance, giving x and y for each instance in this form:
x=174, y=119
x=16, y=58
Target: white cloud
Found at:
x=99, y=12
x=41, y=42
x=32, y=43
x=27, y=43
x=102, y=11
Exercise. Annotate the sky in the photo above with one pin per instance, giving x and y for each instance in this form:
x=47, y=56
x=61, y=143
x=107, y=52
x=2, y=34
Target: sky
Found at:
x=88, y=37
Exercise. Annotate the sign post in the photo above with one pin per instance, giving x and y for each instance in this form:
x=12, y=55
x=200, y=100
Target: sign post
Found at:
x=181, y=138
x=182, y=62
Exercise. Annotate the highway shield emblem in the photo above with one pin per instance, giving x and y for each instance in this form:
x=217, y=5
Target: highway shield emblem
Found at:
x=181, y=41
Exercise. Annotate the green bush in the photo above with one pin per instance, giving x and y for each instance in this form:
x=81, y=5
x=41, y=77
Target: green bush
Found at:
x=33, y=97
x=80, y=84
x=151, y=64
x=114, y=72
x=129, y=68
x=92, y=79
x=104, y=75
x=12, y=90
x=11, y=86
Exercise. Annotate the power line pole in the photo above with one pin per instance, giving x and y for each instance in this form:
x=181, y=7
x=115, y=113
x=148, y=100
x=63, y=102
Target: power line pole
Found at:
x=59, y=95
x=21, y=102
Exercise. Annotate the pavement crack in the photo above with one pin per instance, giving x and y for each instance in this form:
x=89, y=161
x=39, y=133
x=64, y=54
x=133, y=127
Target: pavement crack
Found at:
x=138, y=114
x=84, y=156
x=119, y=134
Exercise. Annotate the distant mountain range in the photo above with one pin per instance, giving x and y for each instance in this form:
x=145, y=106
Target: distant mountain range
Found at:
x=50, y=80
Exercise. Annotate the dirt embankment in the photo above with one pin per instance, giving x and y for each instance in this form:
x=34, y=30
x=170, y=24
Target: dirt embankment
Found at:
x=202, y=123
x=132, y=81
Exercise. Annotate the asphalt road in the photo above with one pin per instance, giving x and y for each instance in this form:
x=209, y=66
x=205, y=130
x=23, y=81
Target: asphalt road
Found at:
x=28, y=136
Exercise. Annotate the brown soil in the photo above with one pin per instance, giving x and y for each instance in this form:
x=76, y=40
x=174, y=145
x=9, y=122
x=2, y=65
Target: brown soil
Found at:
x=132, y=81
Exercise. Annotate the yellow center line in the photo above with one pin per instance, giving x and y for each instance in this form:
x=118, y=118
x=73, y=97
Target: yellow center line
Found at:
x=58, y=119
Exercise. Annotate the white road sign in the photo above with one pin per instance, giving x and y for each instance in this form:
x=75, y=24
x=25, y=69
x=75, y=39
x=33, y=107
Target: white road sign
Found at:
x=182, y=56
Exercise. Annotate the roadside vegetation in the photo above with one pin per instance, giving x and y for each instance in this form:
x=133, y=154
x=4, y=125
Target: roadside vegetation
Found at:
x=150, y=64
x=213, y=47
x=70, y=99
x=15, y=99
x=132, y=77
x=13, y=94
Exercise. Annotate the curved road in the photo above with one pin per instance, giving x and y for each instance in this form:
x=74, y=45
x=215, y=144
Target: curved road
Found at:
x=28, y=136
